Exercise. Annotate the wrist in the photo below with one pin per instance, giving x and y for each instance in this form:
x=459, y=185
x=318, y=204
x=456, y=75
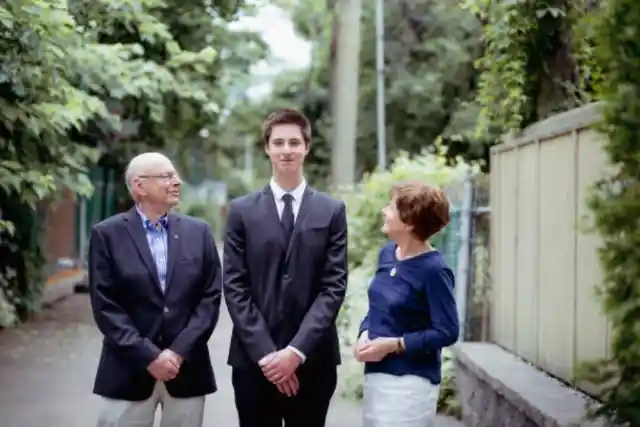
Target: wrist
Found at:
x=399, y=345
x=296, y=354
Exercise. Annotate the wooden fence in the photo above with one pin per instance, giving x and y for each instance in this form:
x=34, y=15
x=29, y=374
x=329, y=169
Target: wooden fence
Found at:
x=545, y=267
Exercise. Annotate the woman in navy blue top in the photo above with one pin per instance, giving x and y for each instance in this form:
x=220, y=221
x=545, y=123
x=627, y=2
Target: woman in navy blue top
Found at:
x=412, y=312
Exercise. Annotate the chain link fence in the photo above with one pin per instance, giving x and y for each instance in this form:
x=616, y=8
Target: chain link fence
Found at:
x=477, y=317
x=465, y=245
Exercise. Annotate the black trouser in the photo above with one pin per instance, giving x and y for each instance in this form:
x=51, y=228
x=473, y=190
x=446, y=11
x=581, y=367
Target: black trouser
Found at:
x=260, y=404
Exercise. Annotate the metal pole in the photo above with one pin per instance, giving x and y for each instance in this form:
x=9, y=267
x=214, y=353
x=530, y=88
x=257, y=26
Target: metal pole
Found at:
x=345, y=95
x=381, y=121
x=462, y=273
x=248, y=159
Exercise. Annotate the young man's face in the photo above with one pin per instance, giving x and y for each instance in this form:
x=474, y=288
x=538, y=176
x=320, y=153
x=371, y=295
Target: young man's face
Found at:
x=286, y=148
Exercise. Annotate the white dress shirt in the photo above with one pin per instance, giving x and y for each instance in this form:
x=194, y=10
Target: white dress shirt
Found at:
x=297, y=194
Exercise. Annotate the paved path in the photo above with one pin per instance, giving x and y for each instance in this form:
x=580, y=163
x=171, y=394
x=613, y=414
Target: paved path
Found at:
x=47, y=368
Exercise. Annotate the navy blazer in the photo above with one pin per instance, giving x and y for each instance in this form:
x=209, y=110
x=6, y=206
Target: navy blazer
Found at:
x=138, y=320
x=279, y=294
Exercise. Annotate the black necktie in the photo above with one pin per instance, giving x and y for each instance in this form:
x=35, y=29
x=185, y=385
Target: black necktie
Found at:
x=287, y=217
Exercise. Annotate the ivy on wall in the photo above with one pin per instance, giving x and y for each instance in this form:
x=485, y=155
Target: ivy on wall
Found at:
x=537, y=61
x=616, y=207
x=503, y=81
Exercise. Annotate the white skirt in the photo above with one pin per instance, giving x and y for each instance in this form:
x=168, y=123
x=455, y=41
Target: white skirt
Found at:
x=398, y=401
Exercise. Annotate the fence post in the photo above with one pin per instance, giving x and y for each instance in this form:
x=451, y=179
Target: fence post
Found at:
x=462, y=273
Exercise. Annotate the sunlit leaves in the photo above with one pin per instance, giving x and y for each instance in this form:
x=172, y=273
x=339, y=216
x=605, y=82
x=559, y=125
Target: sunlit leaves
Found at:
x=55, y=76
x=39, y=102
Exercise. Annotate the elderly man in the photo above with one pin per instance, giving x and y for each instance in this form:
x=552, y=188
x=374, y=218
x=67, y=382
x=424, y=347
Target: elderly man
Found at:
x=155, y=283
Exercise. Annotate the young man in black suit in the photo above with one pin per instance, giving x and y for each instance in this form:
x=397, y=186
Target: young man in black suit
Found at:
x=285, y=277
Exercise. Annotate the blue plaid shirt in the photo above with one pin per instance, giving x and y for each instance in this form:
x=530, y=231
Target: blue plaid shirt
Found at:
x=157, y=237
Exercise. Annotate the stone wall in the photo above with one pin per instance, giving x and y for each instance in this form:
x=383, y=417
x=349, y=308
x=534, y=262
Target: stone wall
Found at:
x=497, y=389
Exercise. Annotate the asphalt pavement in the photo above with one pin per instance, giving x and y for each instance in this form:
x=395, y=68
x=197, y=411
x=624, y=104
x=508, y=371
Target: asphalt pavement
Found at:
x=47, y=368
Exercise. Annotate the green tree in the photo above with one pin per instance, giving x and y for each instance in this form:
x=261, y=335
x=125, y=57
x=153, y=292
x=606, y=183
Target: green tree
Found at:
x=537, y=61
x=73, y=75
x=430, y=46
x=196, y=53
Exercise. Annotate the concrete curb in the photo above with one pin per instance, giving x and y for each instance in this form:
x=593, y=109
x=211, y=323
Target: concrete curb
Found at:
x=64, y=288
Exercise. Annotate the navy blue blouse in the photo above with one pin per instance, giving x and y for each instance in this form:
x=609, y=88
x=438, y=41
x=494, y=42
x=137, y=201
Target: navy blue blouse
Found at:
x=412, y=298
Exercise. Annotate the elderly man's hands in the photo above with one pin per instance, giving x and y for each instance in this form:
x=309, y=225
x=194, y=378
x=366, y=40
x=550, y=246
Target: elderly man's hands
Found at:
x=166, y=366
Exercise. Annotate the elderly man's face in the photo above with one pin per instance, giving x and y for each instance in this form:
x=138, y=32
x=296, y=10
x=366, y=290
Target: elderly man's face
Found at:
x=159, y=184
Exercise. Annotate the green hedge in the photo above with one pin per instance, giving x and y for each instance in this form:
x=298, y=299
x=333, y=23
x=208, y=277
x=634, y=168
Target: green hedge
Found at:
x=364, y=203
x=21, y=262
x=615, y=203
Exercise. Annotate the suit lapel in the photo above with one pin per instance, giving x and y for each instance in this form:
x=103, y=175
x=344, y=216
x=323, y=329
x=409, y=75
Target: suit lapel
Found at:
x=136, y=232
x=174, y=239
x=307, y=200
x=272, y=218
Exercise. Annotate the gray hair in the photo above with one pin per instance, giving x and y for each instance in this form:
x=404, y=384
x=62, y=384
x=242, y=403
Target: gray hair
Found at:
x=140, y=163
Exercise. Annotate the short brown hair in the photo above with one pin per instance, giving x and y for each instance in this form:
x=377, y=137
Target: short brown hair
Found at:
x=286, y=116
x=422, y=207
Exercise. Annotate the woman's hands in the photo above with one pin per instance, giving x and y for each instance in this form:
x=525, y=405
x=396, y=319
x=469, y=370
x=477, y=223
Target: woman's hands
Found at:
x=363, y=340
x=367, y=350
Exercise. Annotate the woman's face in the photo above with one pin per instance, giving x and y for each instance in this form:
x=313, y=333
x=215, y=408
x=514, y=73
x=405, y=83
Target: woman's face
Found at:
x=392, y=226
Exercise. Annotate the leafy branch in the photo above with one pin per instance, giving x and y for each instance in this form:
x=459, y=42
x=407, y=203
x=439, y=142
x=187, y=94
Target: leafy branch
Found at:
x=615, y=203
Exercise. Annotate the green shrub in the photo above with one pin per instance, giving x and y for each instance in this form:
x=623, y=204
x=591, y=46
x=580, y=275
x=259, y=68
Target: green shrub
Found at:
x=8, y=314
x=448, y=402
x=615, y=203
x=366, y=199
x=364, y=203
x=21, y=262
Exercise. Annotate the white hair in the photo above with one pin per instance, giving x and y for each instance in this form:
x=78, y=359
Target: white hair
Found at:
x=141, y=163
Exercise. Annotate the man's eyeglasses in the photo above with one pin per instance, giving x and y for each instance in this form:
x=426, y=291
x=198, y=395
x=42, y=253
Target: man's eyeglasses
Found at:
x=169, y=176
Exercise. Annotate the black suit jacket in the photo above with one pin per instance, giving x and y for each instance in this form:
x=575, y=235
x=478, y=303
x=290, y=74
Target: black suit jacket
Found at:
x=137, y=320
x=280, y=295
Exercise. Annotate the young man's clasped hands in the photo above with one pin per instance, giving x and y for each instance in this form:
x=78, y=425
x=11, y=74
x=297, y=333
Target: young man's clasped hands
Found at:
x=279, y=368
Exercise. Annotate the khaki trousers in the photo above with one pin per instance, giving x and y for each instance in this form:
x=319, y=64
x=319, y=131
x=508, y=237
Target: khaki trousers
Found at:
x=175, y=412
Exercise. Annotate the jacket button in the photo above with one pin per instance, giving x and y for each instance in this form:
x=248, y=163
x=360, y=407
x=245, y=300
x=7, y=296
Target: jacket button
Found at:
x=166, y=310
x=286, y=278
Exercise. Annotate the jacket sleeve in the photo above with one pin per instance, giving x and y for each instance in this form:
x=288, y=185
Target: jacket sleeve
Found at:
x=205, y=316
x=249, y=323
x=444, y=316
x=325, y=308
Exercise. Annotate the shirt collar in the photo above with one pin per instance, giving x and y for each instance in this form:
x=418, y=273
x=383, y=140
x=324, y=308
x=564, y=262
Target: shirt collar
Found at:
x=297, y=192
x=163, y=221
